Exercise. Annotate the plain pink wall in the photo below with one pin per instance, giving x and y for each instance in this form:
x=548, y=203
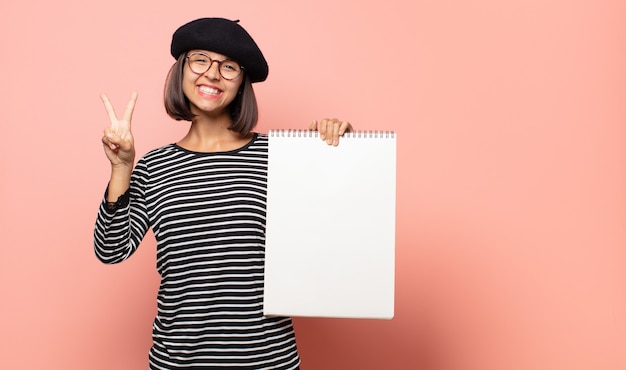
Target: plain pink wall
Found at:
x=511, y=173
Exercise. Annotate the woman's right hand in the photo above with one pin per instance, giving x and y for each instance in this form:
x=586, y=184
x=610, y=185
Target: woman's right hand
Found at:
x=118, y=142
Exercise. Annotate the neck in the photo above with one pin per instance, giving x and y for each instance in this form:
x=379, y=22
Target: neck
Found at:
x=212, y=135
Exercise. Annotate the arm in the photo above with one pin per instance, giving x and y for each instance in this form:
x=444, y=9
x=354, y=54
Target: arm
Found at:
x=122, y=220
x=120, y=228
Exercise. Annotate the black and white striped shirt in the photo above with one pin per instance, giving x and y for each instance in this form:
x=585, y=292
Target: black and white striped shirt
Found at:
x=207, y=212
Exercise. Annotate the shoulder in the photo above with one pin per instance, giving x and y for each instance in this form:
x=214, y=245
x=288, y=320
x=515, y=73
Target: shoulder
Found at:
x=258, y=141
x=160, y=153
x=259, y=136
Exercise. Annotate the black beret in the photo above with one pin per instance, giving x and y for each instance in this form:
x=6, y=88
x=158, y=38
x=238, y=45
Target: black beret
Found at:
x=225, y=37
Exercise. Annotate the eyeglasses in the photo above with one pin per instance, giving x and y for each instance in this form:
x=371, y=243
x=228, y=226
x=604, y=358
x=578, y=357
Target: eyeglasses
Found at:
x=200, y=63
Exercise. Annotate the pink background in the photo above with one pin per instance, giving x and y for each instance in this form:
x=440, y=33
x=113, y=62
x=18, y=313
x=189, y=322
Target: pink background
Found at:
x=511, y=173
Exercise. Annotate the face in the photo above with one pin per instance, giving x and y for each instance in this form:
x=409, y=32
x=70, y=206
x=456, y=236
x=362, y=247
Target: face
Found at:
x=209, y=93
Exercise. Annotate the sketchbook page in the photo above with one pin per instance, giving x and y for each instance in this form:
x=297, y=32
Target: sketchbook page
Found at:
x=330, y=227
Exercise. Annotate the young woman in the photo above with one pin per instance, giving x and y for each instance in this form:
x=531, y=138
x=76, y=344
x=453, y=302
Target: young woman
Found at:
x=204, y=198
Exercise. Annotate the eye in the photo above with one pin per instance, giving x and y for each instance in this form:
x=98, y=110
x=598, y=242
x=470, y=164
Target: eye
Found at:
x=199, y=58
x=230, y=66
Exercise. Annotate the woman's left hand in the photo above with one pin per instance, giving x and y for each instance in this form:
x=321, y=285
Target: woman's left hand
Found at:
x=331, y=129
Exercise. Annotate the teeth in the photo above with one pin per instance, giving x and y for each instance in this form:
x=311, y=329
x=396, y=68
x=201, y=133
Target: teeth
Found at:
x=209, y=90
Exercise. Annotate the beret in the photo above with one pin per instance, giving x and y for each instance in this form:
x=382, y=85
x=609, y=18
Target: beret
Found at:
x=225, y=37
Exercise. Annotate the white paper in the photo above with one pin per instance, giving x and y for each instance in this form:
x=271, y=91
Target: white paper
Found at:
x=330, y=228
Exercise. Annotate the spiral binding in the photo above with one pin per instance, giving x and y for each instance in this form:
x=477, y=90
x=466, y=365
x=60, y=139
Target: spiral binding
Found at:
x=353, y=134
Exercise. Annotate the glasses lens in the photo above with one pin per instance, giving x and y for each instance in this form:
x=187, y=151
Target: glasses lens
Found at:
x=200, y=63
x=229, y=69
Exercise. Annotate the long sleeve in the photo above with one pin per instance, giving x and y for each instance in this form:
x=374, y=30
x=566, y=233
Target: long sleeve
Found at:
x=119, y=231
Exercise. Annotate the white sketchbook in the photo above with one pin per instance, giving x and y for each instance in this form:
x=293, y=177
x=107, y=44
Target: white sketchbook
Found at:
x=330, y=228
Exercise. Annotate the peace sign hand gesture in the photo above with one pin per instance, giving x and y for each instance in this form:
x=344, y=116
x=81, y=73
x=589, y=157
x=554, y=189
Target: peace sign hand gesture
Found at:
x=118, y=140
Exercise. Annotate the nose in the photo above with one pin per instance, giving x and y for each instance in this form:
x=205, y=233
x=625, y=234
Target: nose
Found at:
x=213, y=73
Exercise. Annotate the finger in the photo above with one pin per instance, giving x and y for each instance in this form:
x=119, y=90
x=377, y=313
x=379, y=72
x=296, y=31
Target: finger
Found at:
x=331, y=129
x=109, y=107
x=345, y=127
x=108, y=143
x=313, y=125
x=130, y=107
x=112, y=137
x=335, y=137
x=322, y=128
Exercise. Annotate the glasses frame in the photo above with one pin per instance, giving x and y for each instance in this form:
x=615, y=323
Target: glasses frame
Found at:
x=211, y=61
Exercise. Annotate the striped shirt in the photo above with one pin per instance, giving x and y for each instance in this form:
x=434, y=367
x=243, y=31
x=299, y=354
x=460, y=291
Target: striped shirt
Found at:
x=207, y=213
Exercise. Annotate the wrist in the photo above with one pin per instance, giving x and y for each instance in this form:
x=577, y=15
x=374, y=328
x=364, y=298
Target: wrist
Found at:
x=121, y=169
x=119, y=182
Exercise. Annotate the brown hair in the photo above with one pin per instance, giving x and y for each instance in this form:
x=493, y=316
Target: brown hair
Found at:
x=243, y=109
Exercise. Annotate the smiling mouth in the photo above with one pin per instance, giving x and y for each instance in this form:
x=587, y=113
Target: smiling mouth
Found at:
x=209, y=90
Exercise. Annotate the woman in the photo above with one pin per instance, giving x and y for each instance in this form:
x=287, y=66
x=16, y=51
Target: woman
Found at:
x=204, y=198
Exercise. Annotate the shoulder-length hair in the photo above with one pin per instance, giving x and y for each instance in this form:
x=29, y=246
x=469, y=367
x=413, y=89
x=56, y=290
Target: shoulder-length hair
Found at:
x=243, y=109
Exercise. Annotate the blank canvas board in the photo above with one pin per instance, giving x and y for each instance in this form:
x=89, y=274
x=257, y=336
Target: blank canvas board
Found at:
x=330, y=227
